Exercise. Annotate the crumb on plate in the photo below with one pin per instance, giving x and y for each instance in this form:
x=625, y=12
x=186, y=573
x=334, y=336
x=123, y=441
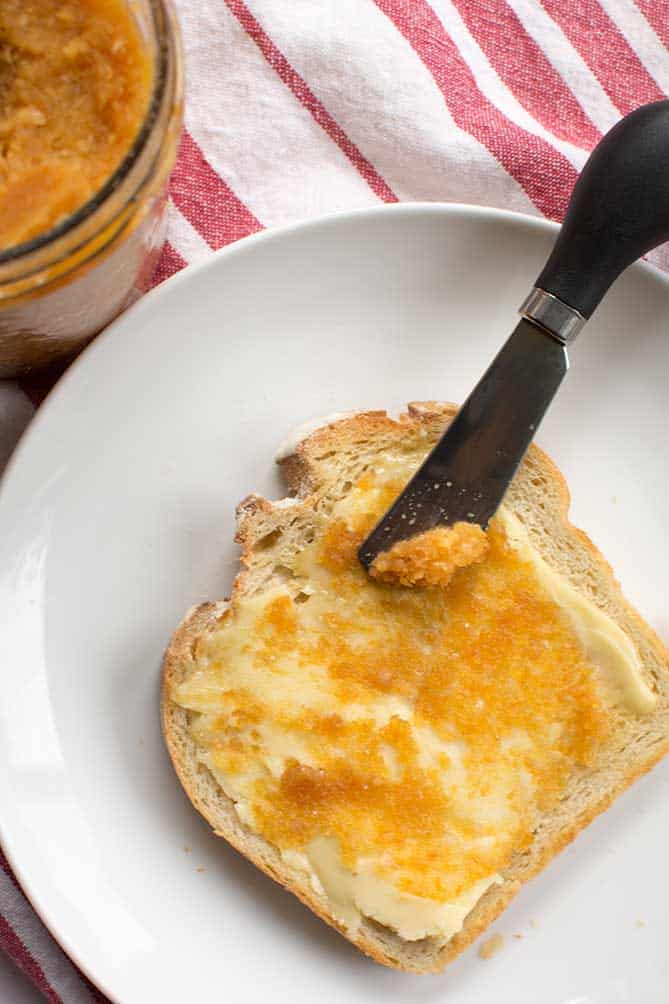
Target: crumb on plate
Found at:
x=491, y=946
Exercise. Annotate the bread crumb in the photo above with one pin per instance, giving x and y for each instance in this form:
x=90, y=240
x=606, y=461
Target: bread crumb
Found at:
x=640, y=923
x=431, y=558
x=518, y=937
x=491, y=947
x=200, y=869
x=187, y=848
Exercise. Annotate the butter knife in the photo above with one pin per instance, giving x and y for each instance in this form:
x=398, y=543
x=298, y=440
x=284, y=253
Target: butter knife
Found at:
x=618, y=211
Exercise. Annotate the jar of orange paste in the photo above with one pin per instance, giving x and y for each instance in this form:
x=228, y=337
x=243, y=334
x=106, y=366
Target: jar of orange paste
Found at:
x=90, y=116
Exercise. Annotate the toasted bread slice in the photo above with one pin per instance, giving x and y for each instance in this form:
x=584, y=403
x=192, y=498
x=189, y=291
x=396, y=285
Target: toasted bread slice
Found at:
x=318, y=470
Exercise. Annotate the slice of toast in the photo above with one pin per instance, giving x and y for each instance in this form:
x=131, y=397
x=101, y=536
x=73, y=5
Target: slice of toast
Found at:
x=319, y=470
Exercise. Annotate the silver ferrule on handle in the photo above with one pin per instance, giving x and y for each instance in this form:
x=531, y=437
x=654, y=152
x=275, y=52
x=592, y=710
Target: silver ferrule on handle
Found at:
x=557, y=318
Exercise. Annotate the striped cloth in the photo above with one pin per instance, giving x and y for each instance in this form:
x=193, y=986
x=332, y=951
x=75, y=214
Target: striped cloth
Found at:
x=301, y=107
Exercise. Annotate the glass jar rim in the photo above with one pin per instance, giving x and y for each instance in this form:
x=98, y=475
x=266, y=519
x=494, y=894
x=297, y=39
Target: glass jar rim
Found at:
x=162, y=25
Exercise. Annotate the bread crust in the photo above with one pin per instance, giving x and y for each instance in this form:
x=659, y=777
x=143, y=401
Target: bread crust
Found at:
x=640, y=742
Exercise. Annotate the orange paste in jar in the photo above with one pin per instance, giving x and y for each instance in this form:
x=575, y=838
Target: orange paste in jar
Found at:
x=75, y=84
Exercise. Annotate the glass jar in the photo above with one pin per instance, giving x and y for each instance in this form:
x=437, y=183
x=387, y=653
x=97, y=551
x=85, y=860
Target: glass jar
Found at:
x=58, y=290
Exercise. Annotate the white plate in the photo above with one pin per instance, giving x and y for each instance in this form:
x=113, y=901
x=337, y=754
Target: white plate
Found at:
x=116, y=516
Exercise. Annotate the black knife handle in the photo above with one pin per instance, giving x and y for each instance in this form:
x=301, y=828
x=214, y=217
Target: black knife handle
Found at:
x=618, y=211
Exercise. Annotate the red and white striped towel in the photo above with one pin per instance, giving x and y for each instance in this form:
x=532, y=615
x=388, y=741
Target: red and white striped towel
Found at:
x=301, y=107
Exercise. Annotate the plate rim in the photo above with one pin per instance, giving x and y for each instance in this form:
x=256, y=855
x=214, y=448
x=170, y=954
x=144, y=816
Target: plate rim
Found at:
x=148, y=302
x=240, y=247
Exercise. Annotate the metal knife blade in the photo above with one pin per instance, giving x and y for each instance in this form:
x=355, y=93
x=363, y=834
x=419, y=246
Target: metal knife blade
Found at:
x=468, y=471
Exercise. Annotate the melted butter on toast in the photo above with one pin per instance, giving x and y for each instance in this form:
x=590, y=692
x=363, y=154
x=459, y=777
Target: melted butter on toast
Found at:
x=397, y=745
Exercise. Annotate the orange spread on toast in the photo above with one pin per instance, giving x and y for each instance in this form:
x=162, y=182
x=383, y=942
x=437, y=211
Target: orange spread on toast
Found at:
x=429, y=726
